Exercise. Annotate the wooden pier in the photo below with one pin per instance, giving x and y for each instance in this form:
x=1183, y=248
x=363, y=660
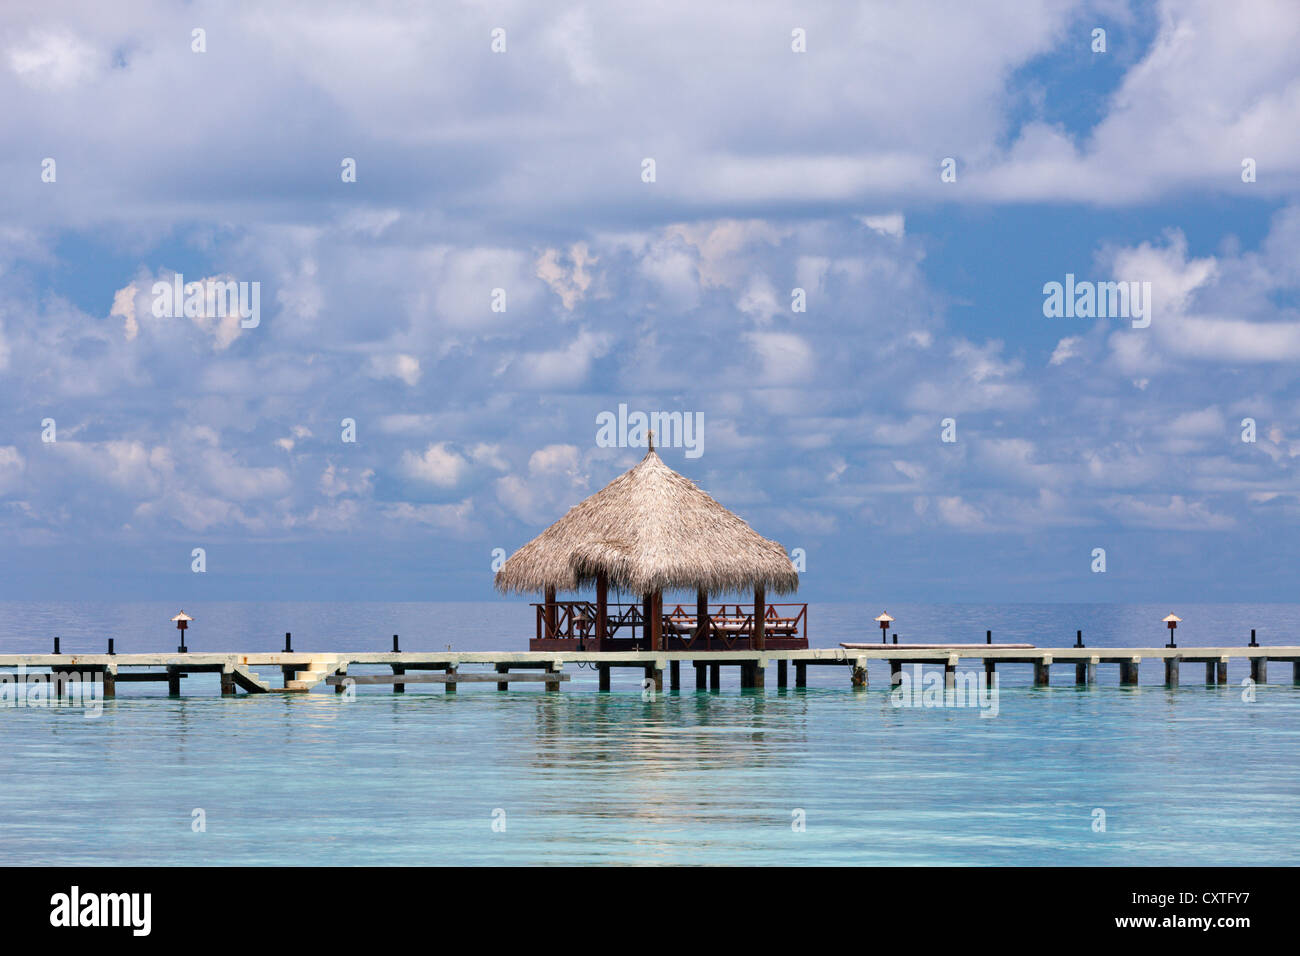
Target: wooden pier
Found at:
x=301, y=672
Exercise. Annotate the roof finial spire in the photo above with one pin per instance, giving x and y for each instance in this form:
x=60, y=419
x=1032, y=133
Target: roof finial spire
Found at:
x=651, y=438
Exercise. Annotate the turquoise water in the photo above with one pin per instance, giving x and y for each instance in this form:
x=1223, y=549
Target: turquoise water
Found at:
x=1193, y=775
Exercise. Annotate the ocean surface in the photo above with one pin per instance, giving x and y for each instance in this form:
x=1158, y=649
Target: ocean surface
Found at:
x=1060, y=775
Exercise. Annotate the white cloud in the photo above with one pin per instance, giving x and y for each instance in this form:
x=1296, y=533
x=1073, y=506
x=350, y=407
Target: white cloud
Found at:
x=403, y=367
x=438, y=465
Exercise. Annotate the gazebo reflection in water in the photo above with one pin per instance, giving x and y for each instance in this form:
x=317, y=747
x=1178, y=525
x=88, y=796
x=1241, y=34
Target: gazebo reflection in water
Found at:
x=649, y=532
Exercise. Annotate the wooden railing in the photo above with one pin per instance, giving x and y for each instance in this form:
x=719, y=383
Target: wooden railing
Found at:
x=728, y=625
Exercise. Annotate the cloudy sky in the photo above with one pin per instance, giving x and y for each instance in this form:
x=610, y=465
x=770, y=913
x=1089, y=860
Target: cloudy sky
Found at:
x=774, y=170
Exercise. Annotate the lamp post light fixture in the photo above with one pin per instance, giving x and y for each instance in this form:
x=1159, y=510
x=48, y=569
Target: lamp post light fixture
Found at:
x=884, y=621
x=1171, y=622
x=182, y=621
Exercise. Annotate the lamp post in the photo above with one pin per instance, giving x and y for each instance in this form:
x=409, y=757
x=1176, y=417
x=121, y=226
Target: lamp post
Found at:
x=1171, y=622
x=182, y=621
x=884, y=621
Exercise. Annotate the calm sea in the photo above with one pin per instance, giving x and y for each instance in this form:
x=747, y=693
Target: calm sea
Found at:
x=1196, y=775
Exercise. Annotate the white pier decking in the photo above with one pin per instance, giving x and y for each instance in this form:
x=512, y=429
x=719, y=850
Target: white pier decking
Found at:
x=303, y=671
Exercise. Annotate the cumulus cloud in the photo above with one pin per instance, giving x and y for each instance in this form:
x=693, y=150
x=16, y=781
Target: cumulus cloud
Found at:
x=438, y=465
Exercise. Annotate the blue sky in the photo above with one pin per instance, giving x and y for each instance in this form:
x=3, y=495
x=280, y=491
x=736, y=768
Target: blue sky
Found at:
x=775, y=170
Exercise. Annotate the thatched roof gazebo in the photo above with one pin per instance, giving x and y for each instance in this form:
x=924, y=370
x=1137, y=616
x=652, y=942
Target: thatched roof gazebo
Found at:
x=648, y=531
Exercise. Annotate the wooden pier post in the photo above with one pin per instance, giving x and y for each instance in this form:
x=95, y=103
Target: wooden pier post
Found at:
x=603, y=671
x=657, y=624
x=1209, y=672
x=745, y=677
x=760, y=619
x=702, y=617
x=174, y=681
x=1128, y=672
x=399, y=669
x=758, y=674
x=1259, y=670
x=1043, y=672
x=1221, y=671
x=781, y=679
x=674, y=675
x=110, y=682
x=451, y=670
x=800, y=674
x=950, y=675
x=701, y=675
x=715, y=677
x=895, y=673
x=655, y=672
x=1171, y=671
x=552, y=684
x=548, y=611
x=602, y=610
x=228, y=682
x=1081, y=673
x=503, y=669
x=859, y=675
x=1295, y=672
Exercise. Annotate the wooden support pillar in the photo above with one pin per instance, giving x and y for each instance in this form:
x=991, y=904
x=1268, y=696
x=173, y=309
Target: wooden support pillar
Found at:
x=548, y=600
x=1221, y=672
x=1259, y=670
x=701, y=676
x=450, y=670
x=760, y=618
x=1171, y=671
x=949, y=675
x=110, y=682
x=702, y=617
x=781, y=668
x=655, y=673
x=715, y=677
x=1081, y=673
x=859, y=675
x=399, y=669
x=603, y=671
x=288, y=672
x=602, y=609
x=1092, y=671
x=744, y=677
x=1210, y=672
x=1128, y=672
x=1042, y=672
x=800, y=674
x=657, y=622
x=552, y=684
x=674, y=675
x=647, y=608
x=174, y=681
x=1295, y=672
x=228, y=683
x=503, y=669
x=758, y=674
x=990, y=668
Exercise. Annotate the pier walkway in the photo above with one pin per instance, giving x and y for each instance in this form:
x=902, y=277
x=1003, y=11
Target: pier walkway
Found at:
x=301, y=672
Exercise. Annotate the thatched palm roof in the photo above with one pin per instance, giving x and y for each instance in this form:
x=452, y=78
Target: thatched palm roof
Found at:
x=650, y=529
